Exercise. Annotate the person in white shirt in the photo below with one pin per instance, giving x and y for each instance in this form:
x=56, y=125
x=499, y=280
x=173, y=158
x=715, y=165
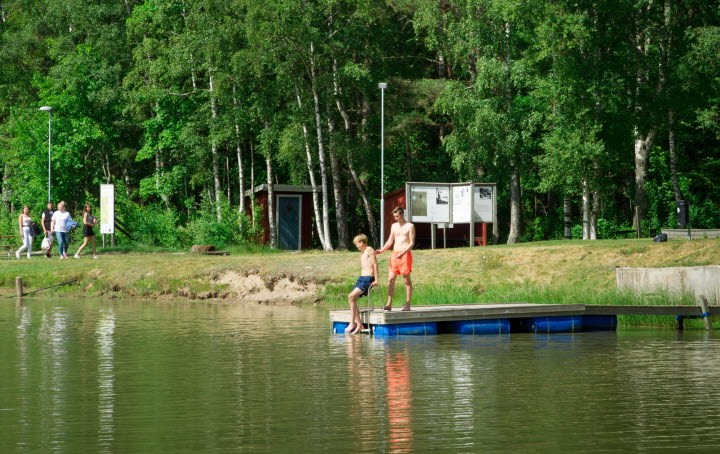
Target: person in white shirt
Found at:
x=59, y=225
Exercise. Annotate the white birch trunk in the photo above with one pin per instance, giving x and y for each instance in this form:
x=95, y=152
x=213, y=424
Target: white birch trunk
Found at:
x=213, y=146
x=311, y=175
x=340, y=214
x=271, y=197
x=321, y=151
x=567, y=215
x=585, y=208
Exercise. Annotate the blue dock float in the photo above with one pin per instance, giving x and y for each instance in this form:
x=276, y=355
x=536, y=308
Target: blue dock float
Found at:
x=478, y=319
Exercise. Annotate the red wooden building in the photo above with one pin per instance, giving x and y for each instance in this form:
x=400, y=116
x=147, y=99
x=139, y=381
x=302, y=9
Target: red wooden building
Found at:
x=293, y=214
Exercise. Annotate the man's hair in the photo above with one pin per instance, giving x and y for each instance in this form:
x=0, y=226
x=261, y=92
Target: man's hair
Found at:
x=398, y=210
x=362, y=238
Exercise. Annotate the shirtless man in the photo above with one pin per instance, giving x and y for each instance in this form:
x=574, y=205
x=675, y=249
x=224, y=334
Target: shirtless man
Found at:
x=402, y=239
x=368, y=278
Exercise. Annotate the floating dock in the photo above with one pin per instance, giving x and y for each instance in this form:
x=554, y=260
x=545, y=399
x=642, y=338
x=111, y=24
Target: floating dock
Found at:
x=508, y=317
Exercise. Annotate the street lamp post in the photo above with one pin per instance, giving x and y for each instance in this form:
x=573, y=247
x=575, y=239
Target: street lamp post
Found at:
x=48, y=109
x=382, y=87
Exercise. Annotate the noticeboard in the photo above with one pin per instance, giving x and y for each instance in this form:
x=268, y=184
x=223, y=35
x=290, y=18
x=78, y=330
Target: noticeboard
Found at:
x=107, y=209
x=450, y=202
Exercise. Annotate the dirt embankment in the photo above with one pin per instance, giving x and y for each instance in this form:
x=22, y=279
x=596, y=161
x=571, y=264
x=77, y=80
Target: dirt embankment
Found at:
x=253, y=287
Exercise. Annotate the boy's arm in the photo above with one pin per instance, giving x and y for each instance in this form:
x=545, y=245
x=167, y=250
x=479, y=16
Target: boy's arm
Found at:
x=375, y=270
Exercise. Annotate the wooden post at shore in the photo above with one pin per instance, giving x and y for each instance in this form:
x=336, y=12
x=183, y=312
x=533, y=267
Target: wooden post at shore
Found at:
x=18, y=287
x=705, y=307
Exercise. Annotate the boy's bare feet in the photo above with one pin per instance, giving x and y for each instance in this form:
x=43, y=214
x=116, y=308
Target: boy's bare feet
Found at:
x=350, y=327
x=359, y=327
x=387, y=308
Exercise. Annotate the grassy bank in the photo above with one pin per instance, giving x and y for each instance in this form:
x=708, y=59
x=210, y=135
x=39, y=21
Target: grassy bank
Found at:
x=543, y=272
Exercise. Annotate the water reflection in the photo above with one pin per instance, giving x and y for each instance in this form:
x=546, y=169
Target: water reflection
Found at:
x=106, y=378
x=124, y=376
x=399, y=401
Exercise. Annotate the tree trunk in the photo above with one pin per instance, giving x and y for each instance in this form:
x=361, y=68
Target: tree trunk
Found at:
x=595, y=202
x=213, y=146
x=340, y=213
x=567, y=215
x=586, y=208
x=321, y=152
x=6, y=187
x=355, y=178
x=594, y=210
x=672, y=146
x=643, y=144
x=515, y=199
x=515, y=194
x=271, y=197
x=372, y=223
x=311, y=174
x=241, y=177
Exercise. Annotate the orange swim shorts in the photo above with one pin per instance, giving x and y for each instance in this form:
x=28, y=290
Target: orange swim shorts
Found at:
x=402, y=265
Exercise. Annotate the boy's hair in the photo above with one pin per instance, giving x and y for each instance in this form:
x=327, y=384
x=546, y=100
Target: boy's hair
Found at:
x=362, y=238
x=398, y=209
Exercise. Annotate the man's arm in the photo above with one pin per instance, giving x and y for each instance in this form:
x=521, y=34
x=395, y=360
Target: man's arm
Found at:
x=388, y=244
x=45, y=232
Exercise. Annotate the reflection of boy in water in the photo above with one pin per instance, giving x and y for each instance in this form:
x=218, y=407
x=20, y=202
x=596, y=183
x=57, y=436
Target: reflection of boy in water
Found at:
x=367, y=279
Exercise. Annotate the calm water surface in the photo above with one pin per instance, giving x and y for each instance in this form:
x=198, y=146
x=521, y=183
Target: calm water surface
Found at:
x=140, y=377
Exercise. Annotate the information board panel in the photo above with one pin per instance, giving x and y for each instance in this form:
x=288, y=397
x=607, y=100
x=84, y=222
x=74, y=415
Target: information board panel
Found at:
x=440, y=203
x=461, y=204
x=483, y=203
x=107, y=208
x=429, y=203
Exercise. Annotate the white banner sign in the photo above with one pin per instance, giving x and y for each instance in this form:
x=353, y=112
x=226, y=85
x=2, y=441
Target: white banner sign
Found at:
x=107, y=208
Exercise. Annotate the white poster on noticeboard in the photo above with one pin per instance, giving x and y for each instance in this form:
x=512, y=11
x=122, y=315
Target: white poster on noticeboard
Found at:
x=107, y=208
x=430, y=203
x=483, y=203
x=461, y=204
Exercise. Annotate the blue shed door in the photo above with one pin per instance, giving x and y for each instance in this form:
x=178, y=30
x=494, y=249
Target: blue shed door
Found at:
x=289, y=222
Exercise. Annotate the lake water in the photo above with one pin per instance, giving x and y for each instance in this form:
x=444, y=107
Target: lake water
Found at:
x=141, y=377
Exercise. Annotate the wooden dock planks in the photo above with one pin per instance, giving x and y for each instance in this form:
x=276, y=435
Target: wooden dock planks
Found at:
x=420, y=314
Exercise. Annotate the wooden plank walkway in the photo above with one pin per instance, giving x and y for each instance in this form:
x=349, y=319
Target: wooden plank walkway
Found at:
x=460, y=312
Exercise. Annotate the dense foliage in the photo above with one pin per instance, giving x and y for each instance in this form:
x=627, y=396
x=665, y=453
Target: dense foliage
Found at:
x=590, y=115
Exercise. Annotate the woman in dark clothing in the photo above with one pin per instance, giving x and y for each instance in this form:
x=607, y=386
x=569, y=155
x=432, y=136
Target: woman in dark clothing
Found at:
x=89, y=222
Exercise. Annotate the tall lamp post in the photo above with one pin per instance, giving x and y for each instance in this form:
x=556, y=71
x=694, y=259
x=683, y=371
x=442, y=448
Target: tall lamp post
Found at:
x=382, y=87
x=48, y=109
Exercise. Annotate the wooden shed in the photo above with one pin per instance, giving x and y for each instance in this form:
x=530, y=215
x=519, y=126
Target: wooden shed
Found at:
x=293, y=214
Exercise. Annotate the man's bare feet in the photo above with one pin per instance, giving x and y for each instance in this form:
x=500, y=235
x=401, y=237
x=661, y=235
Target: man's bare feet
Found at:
x=359, y=327
x=387, y=308
x=407, y=307
x=350, y=327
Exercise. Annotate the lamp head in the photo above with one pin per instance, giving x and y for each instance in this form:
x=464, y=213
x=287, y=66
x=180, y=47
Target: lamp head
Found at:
x=46, y=109
x=382, y=85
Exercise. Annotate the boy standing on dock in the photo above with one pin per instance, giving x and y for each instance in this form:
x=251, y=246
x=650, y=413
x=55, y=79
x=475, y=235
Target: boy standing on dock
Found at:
x=368, y=278
x=402, y=239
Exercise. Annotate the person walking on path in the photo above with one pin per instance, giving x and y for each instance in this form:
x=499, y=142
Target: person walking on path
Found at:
x=25, y=224
x=402, y=240
x=46, y=220
x=89, y=222
x=59, y=226
x=368, y=278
